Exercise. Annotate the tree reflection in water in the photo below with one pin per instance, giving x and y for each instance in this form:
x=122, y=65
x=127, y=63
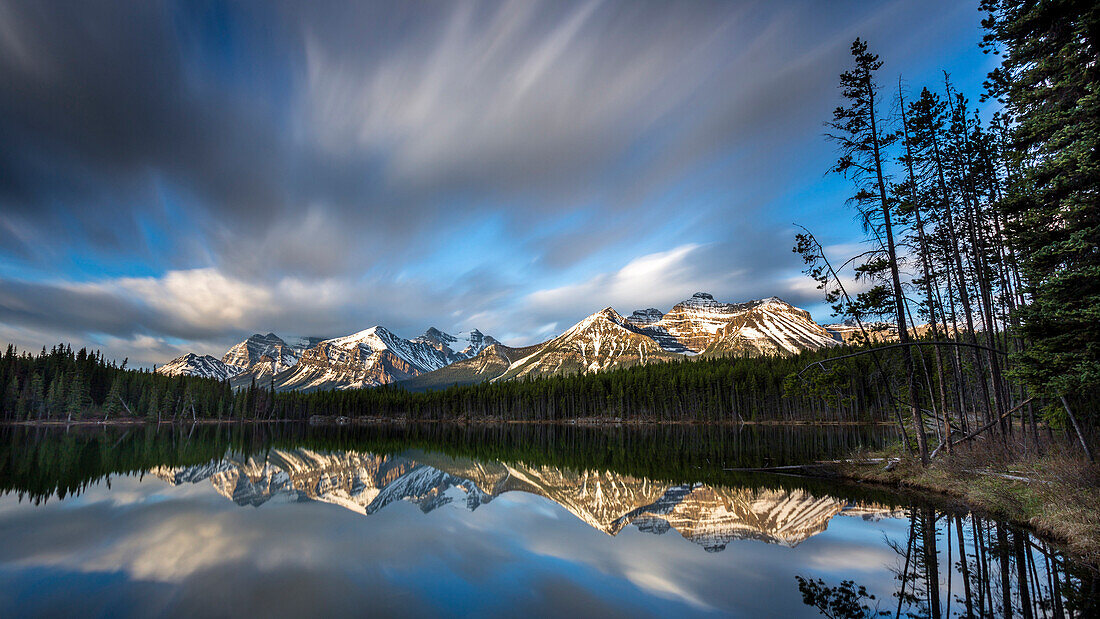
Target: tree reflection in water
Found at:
x=953, y=564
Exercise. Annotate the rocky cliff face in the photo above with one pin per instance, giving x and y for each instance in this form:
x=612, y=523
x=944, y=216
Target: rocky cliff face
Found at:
x=645, y=317
x=695, y=323
x=270, y=350
x=769, y=327
x=711, y=517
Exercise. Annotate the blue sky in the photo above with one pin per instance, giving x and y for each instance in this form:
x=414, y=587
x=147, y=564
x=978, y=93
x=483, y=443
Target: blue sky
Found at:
x=177, y=176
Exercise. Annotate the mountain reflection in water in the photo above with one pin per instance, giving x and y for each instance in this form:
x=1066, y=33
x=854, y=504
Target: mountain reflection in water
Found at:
x=365, y=483
x=491, y=520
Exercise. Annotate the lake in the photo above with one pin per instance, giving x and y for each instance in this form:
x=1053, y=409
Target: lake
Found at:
x=491, y=520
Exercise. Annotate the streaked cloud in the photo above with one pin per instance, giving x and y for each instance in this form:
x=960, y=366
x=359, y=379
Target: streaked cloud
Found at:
x=182, y=174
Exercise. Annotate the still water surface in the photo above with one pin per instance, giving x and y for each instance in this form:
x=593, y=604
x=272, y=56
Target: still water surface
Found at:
x=428, y=520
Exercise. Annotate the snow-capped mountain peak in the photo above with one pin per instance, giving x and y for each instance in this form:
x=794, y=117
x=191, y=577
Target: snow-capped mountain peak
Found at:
x=199, y=365
x=463, y=346
x=601, y=341
x=699, y=325
x=377, y=356
x=374, y=338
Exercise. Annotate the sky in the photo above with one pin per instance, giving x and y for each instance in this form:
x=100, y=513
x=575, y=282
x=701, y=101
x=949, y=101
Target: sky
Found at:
x=175, y=176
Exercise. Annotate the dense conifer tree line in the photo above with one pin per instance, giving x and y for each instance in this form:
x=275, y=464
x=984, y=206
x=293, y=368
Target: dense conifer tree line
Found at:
x=62, y=385
x=705, y=390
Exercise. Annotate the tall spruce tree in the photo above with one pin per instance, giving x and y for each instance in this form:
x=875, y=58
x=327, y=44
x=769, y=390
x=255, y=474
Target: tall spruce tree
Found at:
x=112, y=406
x=78, y=400
x=55, y=399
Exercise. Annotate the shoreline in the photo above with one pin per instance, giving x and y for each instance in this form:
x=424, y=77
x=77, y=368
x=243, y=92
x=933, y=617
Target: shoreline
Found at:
x=317, y=420
x=1041, y=499
x=580, y=421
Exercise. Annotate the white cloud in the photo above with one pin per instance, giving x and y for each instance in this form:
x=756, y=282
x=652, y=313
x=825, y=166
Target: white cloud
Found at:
x=660, y=278
x=203, y=298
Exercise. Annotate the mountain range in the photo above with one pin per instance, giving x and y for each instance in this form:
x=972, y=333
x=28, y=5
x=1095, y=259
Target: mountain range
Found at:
x=708, y=516
x=699, y=326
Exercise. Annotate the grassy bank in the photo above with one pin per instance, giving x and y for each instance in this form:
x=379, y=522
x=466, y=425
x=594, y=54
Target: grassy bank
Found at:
x=1055, y=492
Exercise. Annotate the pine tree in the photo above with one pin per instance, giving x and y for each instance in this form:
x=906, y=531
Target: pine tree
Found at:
x=38, y=398
x=112, y=406
x=858, y=130
x=1049, y=81
x=55, y=399
x=78, y=398
x=152, y=410
x=10, y=398
x=167, y=403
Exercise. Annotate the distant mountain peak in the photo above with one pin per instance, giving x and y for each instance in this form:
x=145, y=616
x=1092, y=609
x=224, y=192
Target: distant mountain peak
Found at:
x=703, y=295
x=205, y=366
x=775, y=300
x=377, y=356
x=261, y=355
x=610, y=313
x=433, y=332
x=601, y=341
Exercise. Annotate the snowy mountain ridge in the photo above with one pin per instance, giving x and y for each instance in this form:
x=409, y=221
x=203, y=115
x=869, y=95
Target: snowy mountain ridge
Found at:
x=697, y=326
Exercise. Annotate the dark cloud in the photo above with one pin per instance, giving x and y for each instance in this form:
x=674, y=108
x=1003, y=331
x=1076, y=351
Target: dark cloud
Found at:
x=72, y=310
x=312, y=154
x=104, y=110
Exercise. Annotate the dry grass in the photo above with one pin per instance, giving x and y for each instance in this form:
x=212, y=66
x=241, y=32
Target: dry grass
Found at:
x=1058, y=495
